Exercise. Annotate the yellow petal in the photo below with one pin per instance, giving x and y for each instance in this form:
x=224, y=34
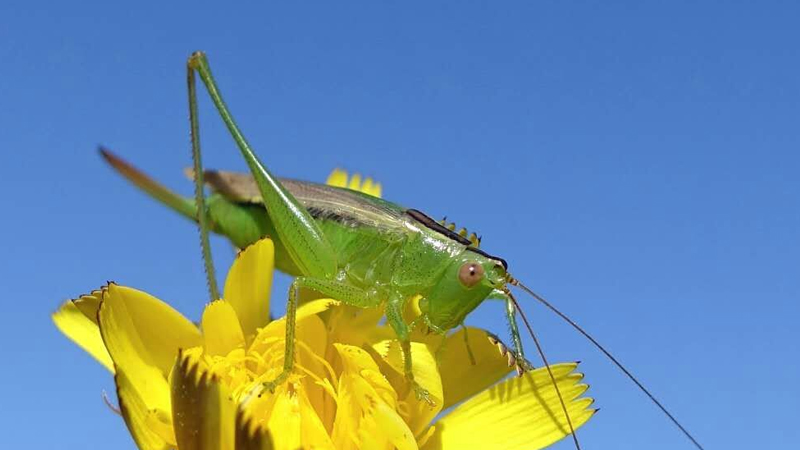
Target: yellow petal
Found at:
x=357, y=361
x=311, y=308
x=248, y=285
x=90, y=304
x=290, y=417
x=337, y=178
x=310, y=345
x=391, y=426
x=311, y=339
x=517, y=414
x=250, y=434
x=357, y=326
x=145, y=407
x=340, y=178
x=139, y=329
x=141, y=333
x=426, y=374
x=221, y=331
x=314, y=433
x=371, y=187
x=276, y=330
x=460, y=378
x=202, y=411
x=75, y=324
x=376, y=190
x=355, y=182
x=367, y=414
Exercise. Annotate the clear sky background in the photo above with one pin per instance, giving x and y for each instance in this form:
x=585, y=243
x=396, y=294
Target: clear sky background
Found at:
x=636, y=162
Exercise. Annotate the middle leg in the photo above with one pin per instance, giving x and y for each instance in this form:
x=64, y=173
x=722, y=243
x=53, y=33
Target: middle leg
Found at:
x=394, y=315
x=339, y=291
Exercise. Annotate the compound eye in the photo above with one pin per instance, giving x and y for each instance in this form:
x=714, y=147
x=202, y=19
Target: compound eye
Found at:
x=470, y=274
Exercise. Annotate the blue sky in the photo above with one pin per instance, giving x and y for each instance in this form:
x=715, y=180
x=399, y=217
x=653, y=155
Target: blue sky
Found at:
x=635, y=162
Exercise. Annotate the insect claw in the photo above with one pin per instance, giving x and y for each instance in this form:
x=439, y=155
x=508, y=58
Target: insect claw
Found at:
x=268, y=386
x=422, y=394
x=523, y=365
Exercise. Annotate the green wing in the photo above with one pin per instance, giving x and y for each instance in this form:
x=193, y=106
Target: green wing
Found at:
x=324, y=202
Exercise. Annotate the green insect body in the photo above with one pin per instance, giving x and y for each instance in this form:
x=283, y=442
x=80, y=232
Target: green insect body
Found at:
x=380, y=246
x=383, y=252
x=341, y=243
x=350, y=246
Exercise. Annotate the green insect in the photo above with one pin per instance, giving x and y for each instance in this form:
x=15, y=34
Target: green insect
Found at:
x=347, y=245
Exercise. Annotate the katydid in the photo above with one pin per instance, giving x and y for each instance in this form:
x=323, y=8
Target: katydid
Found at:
x=349, y=246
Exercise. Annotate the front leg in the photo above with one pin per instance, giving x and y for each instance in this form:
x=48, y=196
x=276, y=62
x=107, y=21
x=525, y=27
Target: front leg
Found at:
x=515, y=355
x=394, y=315
x=521, y=364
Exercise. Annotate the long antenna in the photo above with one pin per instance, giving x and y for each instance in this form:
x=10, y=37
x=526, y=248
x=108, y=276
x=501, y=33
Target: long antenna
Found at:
x=549, y=371
x=541, y=299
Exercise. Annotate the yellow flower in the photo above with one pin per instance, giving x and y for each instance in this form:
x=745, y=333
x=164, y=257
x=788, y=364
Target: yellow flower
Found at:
x=189, y=387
